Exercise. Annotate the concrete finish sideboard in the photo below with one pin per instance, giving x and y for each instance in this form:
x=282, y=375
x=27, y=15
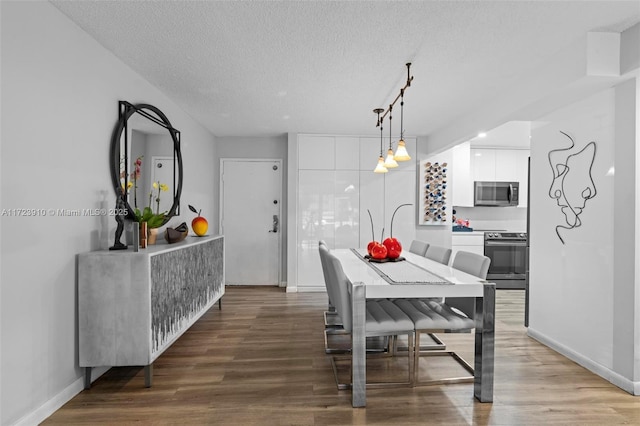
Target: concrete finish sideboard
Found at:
x=134, y=305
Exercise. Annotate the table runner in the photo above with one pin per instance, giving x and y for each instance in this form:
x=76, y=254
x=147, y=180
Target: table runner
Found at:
x=403, y=272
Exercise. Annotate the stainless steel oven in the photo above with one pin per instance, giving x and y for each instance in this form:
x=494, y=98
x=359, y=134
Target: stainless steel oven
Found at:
x=508, y=254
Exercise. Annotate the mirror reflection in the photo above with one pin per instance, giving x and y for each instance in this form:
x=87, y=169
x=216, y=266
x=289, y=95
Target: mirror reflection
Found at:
x=148, y=164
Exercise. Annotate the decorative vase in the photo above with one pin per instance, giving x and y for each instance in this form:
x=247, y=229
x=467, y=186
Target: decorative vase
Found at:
x=129, y=229
x=152, y=236
x=143, y=234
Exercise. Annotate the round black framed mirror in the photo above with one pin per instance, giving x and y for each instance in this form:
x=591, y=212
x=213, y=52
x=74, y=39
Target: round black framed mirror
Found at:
x=146, y=163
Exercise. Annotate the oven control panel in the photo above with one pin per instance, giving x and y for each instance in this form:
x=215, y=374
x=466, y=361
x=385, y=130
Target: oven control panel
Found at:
x=505, y=236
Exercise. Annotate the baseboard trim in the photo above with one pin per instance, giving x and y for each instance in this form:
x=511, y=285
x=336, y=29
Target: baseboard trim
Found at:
x=312, y=289
x=52, y=405
x=609, y=375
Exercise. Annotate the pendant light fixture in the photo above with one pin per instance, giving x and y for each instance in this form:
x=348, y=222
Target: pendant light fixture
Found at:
x=401, y=154
x=390, y=161
x=401, y=151
x=380, y=168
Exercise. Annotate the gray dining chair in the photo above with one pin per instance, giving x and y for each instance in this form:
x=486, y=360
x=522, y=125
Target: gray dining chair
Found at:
x=473, y=264
x=418, y=247
x=439, y=254
x=382, y=318
x=453, y=315
x=332, y=321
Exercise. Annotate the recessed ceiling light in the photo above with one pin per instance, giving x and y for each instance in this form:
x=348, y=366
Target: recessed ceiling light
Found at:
x=482, y=135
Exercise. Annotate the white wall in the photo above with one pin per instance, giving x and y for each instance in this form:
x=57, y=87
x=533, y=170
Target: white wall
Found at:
x=575, y=287
x=60, y=93
x=433, y=234
x=626, y=228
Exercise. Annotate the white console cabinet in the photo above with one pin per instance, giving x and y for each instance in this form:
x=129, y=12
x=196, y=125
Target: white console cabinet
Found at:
x=133, y=305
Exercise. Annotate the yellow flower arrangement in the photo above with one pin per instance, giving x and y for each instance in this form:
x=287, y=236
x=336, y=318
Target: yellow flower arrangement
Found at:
x=154, y=220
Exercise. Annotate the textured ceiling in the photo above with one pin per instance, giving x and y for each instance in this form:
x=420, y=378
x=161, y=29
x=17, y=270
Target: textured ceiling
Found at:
x=268, y=68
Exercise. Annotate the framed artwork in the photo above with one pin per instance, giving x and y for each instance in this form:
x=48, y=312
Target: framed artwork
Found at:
x=433, y=193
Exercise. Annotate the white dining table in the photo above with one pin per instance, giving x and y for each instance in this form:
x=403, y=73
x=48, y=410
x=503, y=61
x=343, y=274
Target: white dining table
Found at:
x=417, y=277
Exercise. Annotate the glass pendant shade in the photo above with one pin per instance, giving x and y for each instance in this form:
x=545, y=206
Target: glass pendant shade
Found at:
x=380, y=168
x=401, y=152
x=390, y=161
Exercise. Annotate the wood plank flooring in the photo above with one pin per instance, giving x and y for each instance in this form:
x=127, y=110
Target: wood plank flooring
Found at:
x=261, y=361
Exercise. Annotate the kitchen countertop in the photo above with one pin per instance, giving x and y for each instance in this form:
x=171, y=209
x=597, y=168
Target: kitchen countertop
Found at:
x=474, y=232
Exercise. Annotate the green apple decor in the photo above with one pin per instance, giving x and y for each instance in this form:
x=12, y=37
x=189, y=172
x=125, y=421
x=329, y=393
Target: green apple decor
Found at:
x=199, y=224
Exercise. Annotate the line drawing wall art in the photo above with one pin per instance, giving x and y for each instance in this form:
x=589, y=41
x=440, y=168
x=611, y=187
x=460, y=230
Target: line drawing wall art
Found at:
x=572, y=183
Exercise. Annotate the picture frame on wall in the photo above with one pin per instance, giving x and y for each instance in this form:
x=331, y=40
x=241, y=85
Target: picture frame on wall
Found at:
x=434, y=208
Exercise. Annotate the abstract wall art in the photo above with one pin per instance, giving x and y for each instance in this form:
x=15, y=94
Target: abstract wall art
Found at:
x=434, y=193
x=572, y=183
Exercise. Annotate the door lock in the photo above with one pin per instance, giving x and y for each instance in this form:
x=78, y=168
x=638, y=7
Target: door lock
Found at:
x=276, y=222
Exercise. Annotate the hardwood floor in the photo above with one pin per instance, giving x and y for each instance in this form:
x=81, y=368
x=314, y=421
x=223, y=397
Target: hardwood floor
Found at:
x=261, y=361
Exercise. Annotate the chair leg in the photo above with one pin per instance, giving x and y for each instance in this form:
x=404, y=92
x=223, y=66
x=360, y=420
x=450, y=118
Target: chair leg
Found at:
x=372, y=348
x=416, y=359
x=377, y=385
x=437, y=345
x=332, y=320
x=448, y=380
x=334, y=331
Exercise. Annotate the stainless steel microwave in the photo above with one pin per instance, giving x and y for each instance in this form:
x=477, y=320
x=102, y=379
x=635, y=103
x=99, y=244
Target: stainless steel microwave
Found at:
x=497, y=194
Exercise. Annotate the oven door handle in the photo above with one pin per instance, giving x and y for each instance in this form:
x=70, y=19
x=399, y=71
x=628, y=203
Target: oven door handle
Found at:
x=506, y=243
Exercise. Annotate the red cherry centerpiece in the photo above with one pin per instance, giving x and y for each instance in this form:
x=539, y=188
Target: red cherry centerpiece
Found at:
x=393, y=246
x=378, y=251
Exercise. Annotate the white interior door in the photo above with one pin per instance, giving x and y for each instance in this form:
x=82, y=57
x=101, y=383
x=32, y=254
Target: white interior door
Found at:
x=163, y=173
x=250, y=212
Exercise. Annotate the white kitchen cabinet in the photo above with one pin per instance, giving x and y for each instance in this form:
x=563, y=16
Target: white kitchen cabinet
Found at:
x=333, y=196
x=369, y=153
x=483, y=164
x=316, y=152
x=487, y=164
x=346, y=196
x=347, y=153
x=506, y=165
x=499, y=164
x=467, y=241
x=316, y=205
x=372, y=191
x=400, y=189
x=461, y=182
x=522, y=160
